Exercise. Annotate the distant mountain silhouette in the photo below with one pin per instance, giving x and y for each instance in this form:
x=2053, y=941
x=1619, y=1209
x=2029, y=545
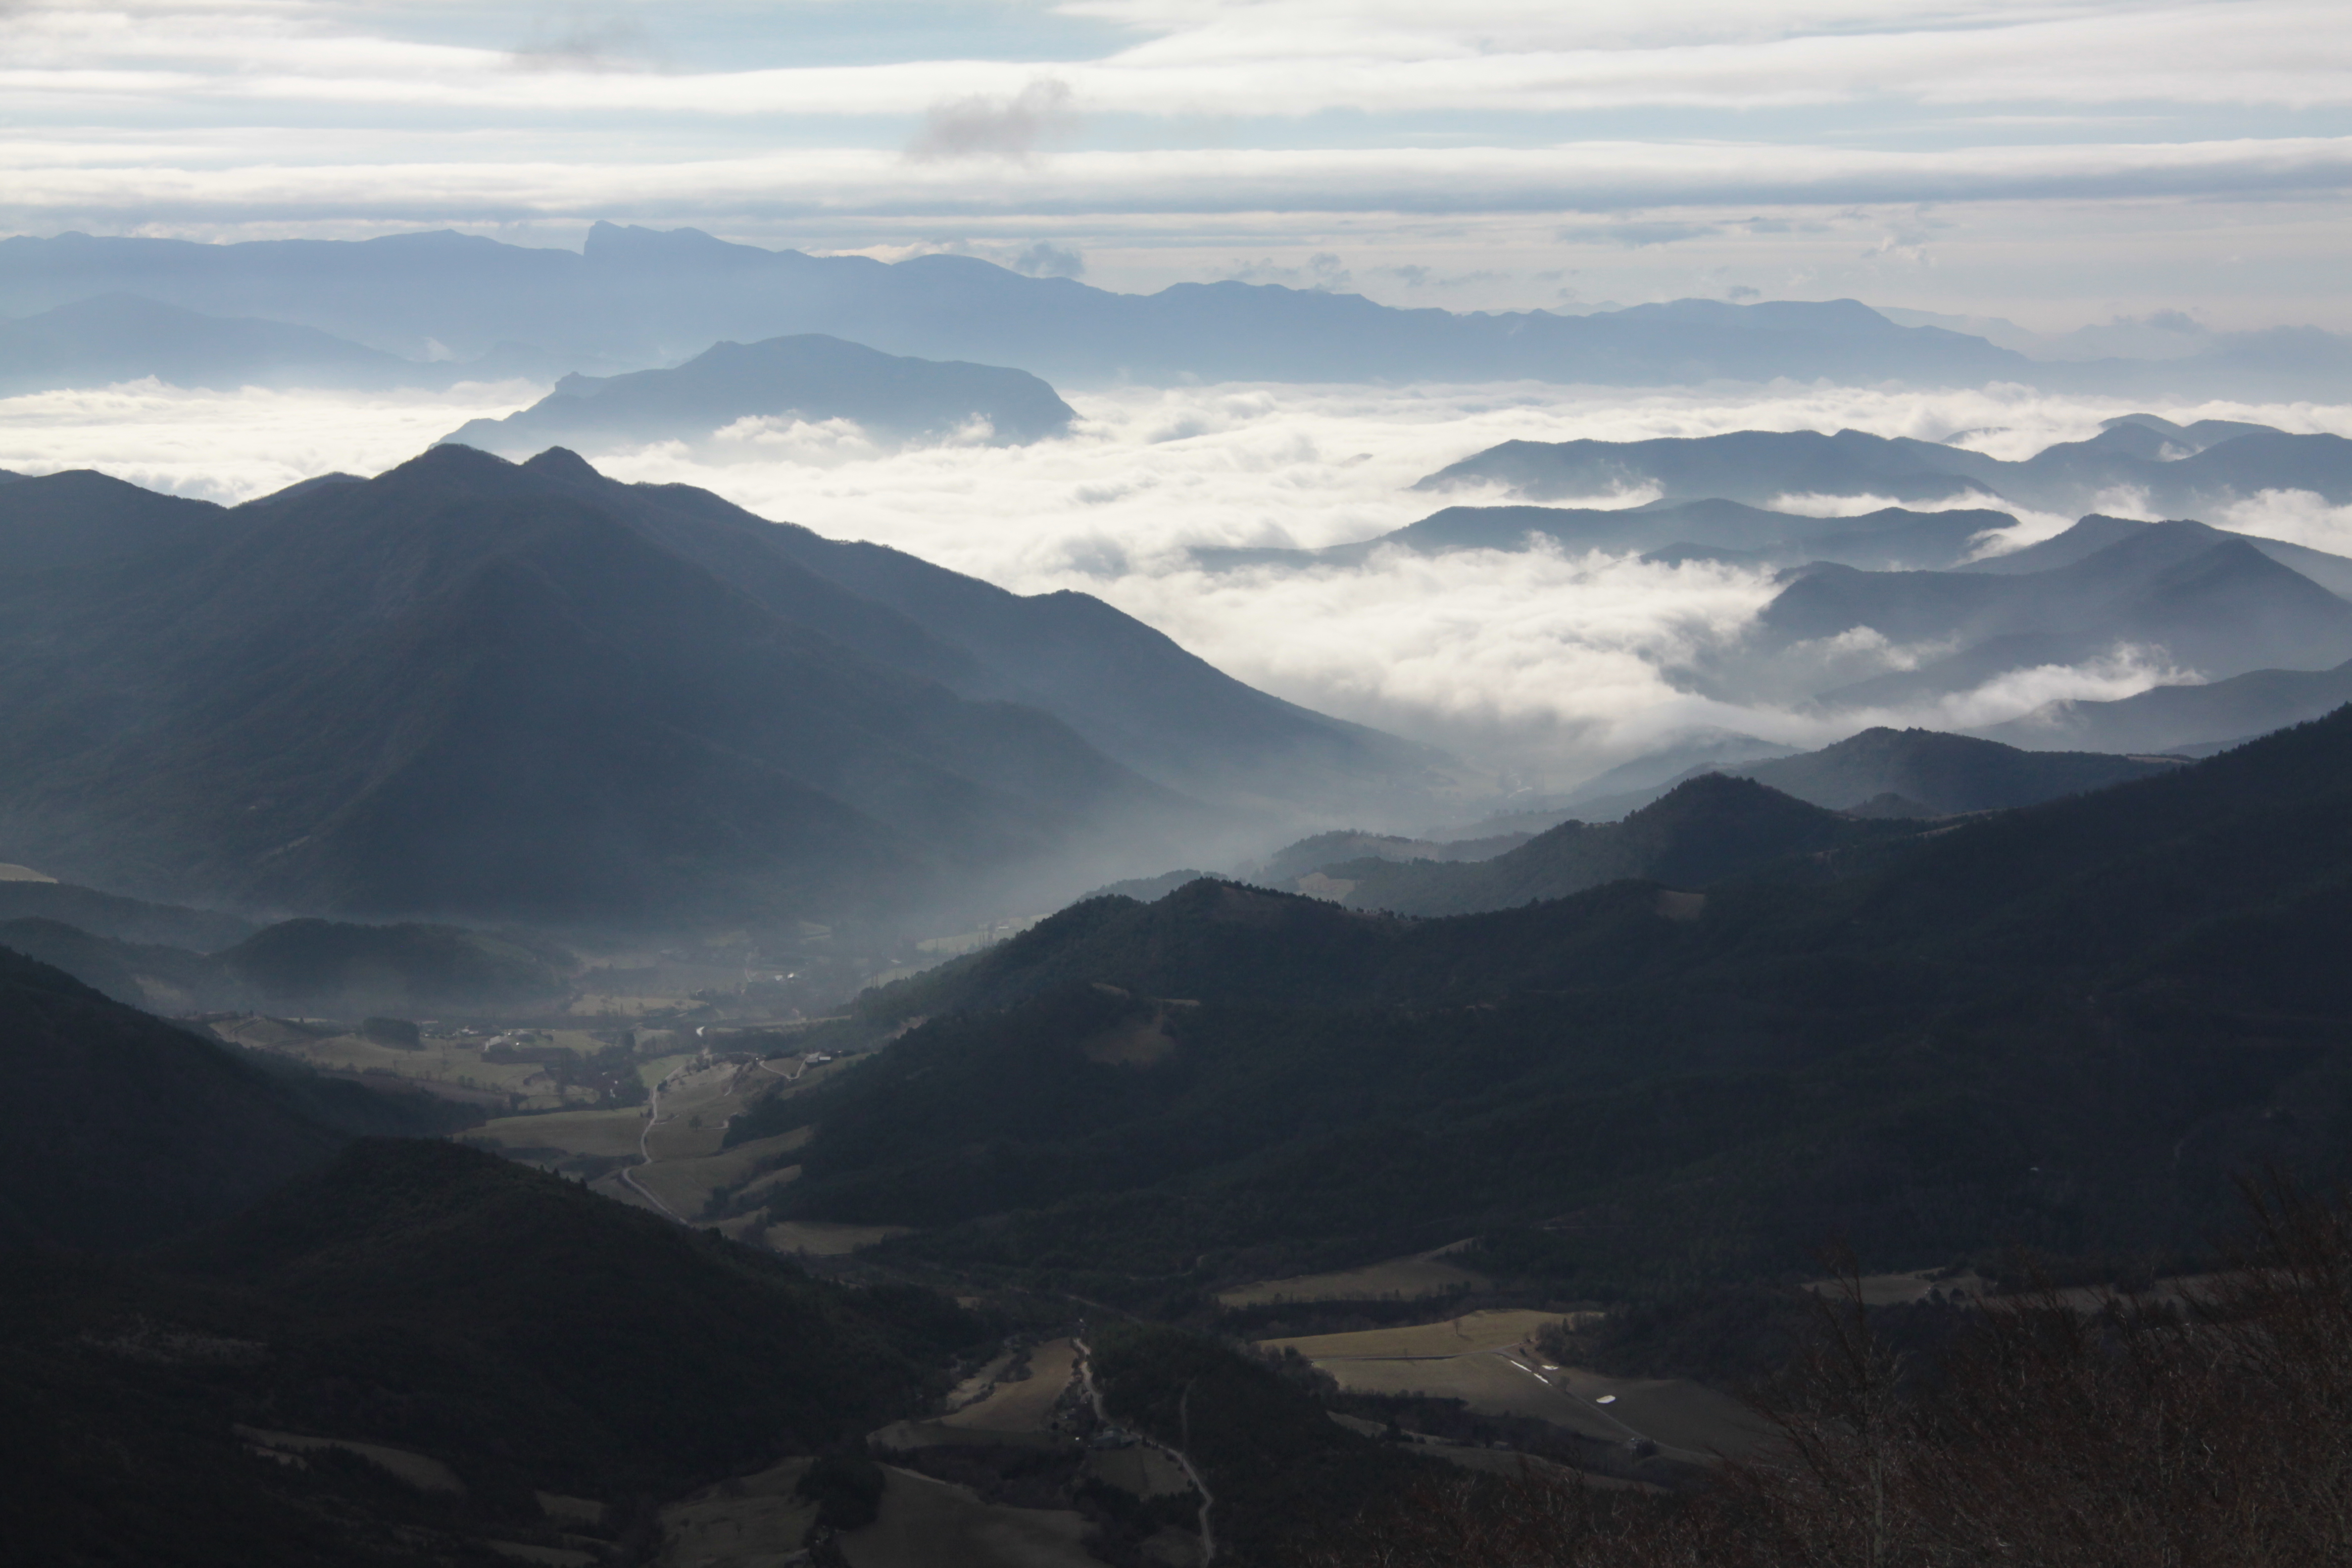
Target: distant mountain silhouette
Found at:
x=2180, y=468
x=640, y=297
x=1890, y=773
x=1889, y=539
x=808, y=377
x=119, y=919
x=470, y=688
x=2167, y=717
x=1702, y=831
x=1945, y=773
x=2094, y=534
x=2217, y=603
x=100, y=340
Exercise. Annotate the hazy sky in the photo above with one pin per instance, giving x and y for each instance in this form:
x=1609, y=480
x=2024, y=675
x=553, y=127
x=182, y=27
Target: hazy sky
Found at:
x=2060, y=163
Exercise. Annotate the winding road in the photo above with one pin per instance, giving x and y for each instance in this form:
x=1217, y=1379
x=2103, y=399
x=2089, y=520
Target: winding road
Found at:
x=1184, y=1406
x=646, y=1157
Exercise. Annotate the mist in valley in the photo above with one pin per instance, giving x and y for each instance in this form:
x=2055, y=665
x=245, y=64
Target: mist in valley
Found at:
x=1537, y=668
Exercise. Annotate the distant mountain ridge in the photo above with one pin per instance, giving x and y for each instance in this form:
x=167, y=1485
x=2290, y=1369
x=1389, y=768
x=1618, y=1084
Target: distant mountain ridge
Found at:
x=1888, y=538
x=640, y=297
x=811, y=377
x=2181, y=470
x=104, y=338
x=2217, y=604
x=1702, y=831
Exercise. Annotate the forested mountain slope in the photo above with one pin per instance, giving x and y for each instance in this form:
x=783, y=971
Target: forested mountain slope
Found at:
x=470, y=688
x=2062, y=1026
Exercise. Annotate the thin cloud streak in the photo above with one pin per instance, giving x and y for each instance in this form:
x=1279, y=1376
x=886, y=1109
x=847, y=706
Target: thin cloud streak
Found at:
x=1585, y=177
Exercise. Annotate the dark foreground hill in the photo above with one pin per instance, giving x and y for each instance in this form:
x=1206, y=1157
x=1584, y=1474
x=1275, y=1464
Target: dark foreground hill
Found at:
x=466, y=687
x=483, y=1334
x=122, y=1129
x=809, y=377
x=2062, y=1026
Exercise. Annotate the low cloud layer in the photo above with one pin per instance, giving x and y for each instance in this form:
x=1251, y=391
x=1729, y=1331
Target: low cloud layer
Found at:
x=1547, y=663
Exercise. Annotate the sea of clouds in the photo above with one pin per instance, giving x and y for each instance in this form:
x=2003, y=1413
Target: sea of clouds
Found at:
x=1546, y=665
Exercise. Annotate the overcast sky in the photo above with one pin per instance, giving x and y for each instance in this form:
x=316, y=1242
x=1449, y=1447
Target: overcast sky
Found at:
x=2058, y=163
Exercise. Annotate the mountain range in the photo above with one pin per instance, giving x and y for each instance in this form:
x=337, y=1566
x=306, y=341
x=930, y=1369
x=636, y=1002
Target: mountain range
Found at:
x=2177, y=470
x=636, y=298
x=469, y=687
x=811, y=377
x=1888, y=538
x=2217, y=604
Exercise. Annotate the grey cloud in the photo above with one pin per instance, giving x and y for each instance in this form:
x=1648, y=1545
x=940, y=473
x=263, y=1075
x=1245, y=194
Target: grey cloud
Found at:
x=1323, y=270
x=1012, y=129
x=1046, y=261
x=585, y=40
x=1637, y=233
x=1742, y=292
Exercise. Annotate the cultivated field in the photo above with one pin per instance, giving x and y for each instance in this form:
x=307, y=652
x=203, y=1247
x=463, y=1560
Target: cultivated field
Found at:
x=685, y=1156
x=1455, y=1336
x=1399, y=1278
x=452, y=1068
x=1023, y=1406
x=1488, y=1362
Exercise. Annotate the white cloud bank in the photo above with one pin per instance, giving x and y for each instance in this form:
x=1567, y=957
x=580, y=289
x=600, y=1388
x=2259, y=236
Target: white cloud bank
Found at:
x=1548, y=663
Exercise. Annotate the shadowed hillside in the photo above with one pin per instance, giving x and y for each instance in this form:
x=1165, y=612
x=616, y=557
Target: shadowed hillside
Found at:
x=2062, y=1026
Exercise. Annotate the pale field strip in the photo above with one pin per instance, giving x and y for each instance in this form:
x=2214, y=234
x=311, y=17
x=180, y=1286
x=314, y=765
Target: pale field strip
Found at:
x=1401, y=1278
x=686, y=1154
x=1023, y=1406
x=427, y=1475
x=1487, y=1361
x=1473, y=1331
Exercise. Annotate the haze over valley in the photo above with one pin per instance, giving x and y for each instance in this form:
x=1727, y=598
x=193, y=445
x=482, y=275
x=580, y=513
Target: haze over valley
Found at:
x=1135, y=783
